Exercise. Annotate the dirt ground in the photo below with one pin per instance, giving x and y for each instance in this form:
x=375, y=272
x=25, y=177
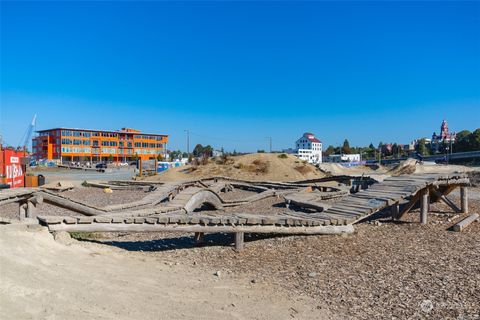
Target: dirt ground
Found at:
x=44, y=279
x=384, y=270
x=400, y=270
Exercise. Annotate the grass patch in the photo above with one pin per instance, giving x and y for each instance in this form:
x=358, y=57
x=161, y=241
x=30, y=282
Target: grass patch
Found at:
x=85, y=235
x=282, y=156
x=303, y=169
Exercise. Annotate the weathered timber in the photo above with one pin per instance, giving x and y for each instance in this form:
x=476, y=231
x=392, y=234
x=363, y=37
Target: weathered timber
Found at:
x=424, y=207
x=114, y=227
x=464, y=199
x=239, y=241
x=465, y=222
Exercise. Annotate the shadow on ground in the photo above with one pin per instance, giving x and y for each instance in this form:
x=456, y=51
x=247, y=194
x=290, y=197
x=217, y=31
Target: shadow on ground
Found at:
x=184, y=242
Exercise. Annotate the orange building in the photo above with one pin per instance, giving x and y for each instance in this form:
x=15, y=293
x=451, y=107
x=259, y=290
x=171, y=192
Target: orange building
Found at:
x=67, y=144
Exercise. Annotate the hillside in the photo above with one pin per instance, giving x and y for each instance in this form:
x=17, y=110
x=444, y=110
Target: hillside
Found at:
x=257, y=166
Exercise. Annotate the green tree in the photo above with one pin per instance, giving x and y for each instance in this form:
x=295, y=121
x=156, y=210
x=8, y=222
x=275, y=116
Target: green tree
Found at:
x=160, y=157
x=110, y=158
x=395, y=150
x=198, y=150
x=421, y=147
x=330, y=150
x=207, y=151
x=346, y=147
x=474, y=140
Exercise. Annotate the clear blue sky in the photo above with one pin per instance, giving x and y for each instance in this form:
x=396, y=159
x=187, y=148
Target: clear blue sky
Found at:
x=234, y=73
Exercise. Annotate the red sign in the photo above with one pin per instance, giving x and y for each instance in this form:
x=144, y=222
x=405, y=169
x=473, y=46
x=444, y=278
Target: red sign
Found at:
x=11, y=168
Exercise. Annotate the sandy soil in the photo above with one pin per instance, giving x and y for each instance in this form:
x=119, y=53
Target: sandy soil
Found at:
x=44, y=279
x=257, y=166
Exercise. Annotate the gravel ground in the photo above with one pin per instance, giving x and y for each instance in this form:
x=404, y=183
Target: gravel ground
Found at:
x=237, y=194
x=384, y=270
x=91, y=196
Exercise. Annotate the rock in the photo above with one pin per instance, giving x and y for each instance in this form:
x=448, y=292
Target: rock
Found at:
x=217, y=273
x=63, y=237
x=253, y=281
x=107, y=190
x=312, y=274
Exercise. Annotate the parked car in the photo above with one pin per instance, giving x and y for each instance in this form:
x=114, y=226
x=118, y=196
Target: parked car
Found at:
x=101, y=166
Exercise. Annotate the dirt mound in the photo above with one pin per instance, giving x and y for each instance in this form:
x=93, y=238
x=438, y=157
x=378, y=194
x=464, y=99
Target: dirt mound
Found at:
x=408, y=166
x=256, y=166
x=337, y=169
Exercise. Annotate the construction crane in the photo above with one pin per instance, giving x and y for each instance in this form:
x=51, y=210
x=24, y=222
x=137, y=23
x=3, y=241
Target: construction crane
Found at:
x=28, y=133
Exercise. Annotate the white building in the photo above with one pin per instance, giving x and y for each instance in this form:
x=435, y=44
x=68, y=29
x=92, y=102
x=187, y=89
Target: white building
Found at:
x=309, y=148
x=342, y=158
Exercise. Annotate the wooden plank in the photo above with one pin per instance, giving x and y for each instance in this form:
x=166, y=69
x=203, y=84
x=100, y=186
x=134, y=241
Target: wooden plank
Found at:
x=117, y=220
x=145, y=227
x=69, y=220
x=50, y=219
x=139, y=220
x=151, y=220
x=101, y=219
x=85, y=220
x=460, y=226
x=194, y=220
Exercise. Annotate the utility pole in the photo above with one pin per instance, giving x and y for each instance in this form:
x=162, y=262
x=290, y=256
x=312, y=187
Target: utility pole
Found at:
x=188, y=141
x=270, y=143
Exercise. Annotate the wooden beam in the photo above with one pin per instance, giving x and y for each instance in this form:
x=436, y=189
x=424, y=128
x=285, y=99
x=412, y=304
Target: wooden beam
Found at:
x=123, y=227
x=409, y=205
x=424, y=206
x=464, y=199
x=446, y=200
x=239, y=237
x=199, y=238
x=395, y=211
x=71, y=205
x=465, y=222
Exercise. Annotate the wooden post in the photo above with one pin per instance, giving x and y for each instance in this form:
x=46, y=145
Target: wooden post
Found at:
x=156, y=167
x=22, y=211
x=199, y=238
x=464, y=199
x=239, y=237
x=424, y=207
x=31, y=210
x=395, y=210
x=140, y=167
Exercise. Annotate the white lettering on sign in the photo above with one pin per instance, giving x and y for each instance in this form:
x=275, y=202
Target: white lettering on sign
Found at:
x=14, y=160
x=13, y=171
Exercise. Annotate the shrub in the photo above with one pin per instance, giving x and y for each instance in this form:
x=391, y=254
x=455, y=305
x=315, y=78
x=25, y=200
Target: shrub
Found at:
x=283, y=156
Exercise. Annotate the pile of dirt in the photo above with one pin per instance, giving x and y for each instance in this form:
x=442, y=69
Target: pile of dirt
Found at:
x=256, y=166
x=411, y=166
x=337, y=169
x=408, y=166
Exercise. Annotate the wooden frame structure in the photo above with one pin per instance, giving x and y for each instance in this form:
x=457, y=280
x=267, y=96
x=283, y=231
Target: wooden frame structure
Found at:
x=171, y=207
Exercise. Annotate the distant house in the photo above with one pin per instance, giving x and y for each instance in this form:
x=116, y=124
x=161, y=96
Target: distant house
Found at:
x=344, y=158
x=217, y=153
x=308, y=148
